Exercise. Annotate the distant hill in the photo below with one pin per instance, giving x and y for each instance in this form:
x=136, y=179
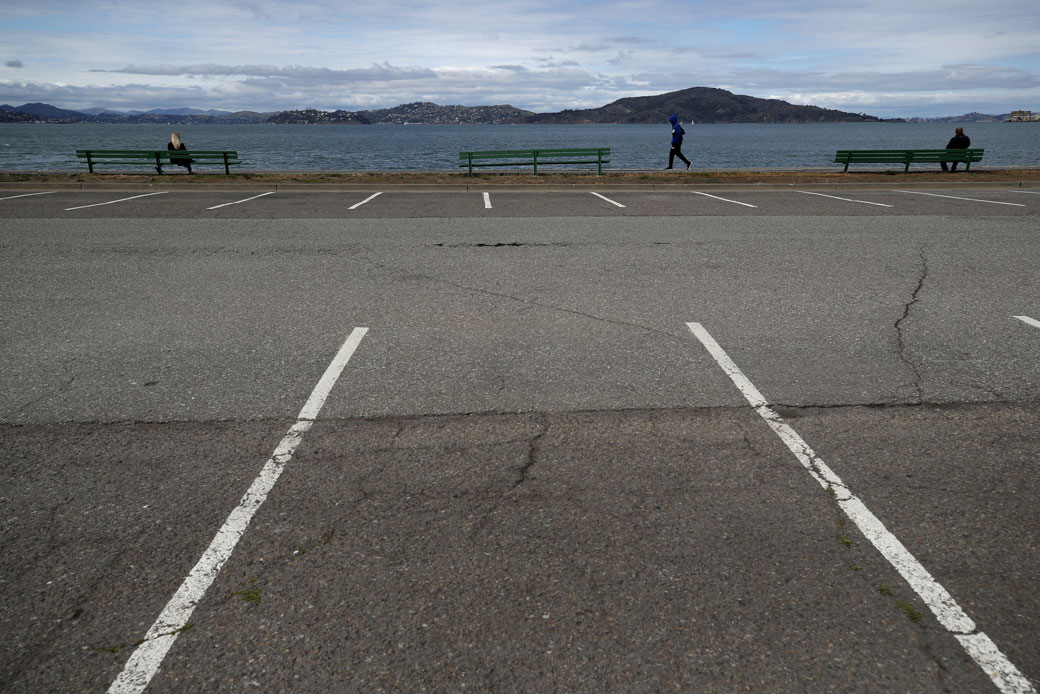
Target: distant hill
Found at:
x=418, y=112
x=46, y=113
x=701, y=105
x=183, y=111
x=423, y=111
x=973, y=117
x=43, y=111
x=311, y=116
x=9, y=115
x=99, y=111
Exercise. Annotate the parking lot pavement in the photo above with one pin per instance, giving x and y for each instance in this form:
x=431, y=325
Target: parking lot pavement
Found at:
x=956, y=499
x=173, y=202
x=97, y=520
x=530, y=475
x=593, y=551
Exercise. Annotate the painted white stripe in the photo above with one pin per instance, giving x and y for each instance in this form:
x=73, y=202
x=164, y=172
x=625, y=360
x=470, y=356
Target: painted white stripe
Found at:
x=113, y=202
x=370, y=197
x=835, y=197
x=236, y=202
x=1029, y=321
x=1004, y=674
x=144, y=662
x=612, y=202
x=1029, y=192
x=954, y=197
x=487, y=201
x=716, y=197
x=28, y=195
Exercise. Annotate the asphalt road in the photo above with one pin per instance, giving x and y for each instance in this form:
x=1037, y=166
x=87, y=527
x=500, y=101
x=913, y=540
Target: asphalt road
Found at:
x=530, y=475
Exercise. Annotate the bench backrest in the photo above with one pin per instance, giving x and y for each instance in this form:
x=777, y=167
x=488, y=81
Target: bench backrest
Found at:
x=533, y=153
x=151, y=153
x=947, y=154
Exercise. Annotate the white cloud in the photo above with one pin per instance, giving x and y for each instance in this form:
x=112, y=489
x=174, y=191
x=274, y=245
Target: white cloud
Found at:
x=377, y=72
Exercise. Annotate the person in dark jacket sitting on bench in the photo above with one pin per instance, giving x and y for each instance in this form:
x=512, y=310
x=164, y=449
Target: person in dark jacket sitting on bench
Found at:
x=958, y=141
x=175, y=144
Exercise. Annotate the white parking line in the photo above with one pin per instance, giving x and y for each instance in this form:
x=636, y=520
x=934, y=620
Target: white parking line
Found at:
x=716, y=197
x=954, y=197
x=487, y=201
x=113, y=202
x=835, y=197
x=612, y=202
x=980, y=647
x=144, y=662
x=1028, y=192
x=373, y=196
x=236, y=202
x=28, y=195
x=1029, y=321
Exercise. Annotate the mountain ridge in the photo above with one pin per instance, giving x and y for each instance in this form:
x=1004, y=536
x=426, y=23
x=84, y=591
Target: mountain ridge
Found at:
x=693, y=105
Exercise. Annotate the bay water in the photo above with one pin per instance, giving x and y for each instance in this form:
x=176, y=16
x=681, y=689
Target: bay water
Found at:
x=49, y=147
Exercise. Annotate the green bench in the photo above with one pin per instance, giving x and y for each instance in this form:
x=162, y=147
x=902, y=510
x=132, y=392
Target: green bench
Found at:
x=906, y=156
x=157, y=158
x=536, y=157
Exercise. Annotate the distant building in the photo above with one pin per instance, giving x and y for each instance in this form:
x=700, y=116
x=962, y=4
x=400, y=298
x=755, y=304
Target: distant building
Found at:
x=1022, y=117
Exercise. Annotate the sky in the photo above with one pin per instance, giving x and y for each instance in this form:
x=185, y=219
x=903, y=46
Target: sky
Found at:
x=888, y=58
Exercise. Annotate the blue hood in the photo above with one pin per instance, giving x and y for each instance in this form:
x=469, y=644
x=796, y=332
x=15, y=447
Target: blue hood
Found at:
x=677, y=131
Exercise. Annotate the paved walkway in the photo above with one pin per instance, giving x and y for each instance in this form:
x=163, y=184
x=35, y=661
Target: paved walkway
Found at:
x=594, y=440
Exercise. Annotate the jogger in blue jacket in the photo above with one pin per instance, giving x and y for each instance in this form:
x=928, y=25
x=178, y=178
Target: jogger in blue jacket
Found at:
x=677, y=135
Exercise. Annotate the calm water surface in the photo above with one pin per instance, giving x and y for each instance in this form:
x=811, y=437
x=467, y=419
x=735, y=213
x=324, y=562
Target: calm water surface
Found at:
x=436, y=147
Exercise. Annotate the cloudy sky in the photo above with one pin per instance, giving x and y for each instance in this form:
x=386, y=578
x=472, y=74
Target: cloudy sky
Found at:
x=884, y=57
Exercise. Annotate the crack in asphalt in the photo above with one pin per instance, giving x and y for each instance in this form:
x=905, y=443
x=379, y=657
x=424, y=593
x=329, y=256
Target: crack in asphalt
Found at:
x=922, y=276
x=815, y=464
x=532, y=455
x=747, y=440
x=522, y=473
x=60, y=389
x=787, y=410
x=531, y=302
x=512, y=244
